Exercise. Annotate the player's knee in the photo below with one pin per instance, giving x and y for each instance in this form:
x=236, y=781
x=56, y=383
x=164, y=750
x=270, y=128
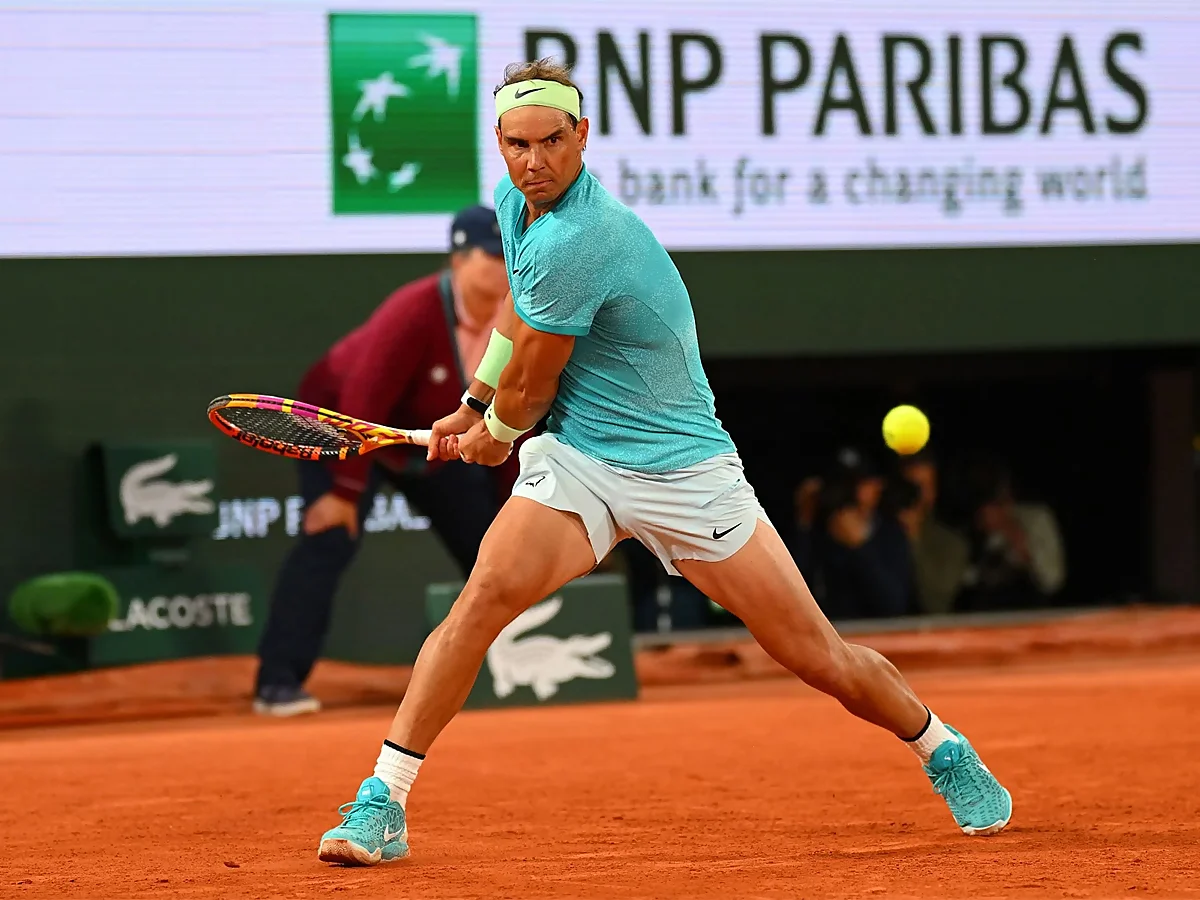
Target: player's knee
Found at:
x=490, y=599
x=496, y=587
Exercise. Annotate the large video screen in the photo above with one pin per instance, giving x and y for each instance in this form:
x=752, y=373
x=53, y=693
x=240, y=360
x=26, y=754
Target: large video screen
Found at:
x=300, y=127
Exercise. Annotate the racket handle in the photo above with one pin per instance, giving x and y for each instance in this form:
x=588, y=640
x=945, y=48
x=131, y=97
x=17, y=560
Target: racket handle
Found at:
x=421, y=437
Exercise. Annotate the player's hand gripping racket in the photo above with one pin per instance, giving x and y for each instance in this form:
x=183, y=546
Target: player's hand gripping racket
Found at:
x=302, y=431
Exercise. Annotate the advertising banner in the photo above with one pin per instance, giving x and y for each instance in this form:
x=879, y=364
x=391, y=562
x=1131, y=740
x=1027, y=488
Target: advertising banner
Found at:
x=573, y=647
x=297, y=127
x=176, y=613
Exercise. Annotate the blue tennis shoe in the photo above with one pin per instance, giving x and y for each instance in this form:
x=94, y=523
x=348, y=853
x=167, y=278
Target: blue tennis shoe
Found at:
x=979, y=803
x=373, y=829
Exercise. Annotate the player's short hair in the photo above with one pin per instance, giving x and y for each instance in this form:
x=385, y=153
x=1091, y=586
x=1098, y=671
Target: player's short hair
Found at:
x=544, y=69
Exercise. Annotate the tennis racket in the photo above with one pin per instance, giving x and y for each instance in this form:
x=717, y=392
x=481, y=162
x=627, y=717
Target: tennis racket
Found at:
x=302, y=431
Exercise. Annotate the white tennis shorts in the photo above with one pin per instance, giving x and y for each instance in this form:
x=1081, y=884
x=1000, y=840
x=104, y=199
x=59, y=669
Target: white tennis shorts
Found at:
x=707, y=511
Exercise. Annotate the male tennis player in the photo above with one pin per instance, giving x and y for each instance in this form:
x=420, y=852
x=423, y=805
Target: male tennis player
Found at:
x=602, y=336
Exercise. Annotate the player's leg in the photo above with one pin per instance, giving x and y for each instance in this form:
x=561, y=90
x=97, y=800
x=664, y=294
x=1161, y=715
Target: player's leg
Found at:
x=529, y=553
x=536, y=544
x=760, y=584
x=302, y=603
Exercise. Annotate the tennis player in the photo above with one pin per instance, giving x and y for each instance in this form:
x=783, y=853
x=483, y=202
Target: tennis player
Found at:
x=601, y=335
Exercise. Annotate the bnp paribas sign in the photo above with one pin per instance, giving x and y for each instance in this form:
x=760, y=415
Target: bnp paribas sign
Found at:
x=865, y=123
x=851, y=125
x=766, y=124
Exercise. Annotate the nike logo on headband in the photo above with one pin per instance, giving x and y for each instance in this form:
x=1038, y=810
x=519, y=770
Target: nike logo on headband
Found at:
x=520, y=94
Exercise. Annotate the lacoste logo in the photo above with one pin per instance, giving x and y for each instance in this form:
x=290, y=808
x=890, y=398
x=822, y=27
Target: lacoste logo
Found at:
x=540, y=479
x=388, y=834
x=146, y=496
x=544, y=662
x=520, y=94
x=717, y=535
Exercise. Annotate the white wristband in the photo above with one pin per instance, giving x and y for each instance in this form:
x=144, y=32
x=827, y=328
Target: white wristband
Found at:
x=501, y=432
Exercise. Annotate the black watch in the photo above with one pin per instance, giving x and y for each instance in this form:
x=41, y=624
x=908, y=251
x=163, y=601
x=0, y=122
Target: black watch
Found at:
x=476, y=404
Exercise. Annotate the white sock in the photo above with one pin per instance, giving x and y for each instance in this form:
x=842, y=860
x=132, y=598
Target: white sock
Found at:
x=397, y=768
x=931, y=738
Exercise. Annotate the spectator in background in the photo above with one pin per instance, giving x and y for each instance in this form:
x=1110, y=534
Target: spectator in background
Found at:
x=407, y=365
x=939, y=553
x=854, y=555
x=1017, y=557
x=802, y=542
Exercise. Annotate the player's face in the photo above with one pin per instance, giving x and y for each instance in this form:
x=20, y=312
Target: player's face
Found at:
x=542, y=150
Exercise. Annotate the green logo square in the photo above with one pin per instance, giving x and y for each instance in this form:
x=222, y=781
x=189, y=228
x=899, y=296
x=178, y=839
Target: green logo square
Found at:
x=575, y=646
x=404, y=112
x=157, y=490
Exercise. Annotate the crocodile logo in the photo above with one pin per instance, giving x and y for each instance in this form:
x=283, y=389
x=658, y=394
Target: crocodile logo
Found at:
x=144, y=495
x=541, y=661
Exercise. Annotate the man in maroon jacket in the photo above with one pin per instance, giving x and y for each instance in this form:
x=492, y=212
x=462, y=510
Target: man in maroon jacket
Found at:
x=404, y=366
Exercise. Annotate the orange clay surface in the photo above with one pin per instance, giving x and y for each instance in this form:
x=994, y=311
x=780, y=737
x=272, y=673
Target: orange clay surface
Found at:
x=748, y=789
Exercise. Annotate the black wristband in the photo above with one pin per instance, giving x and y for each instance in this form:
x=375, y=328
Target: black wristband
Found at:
x=475, y=403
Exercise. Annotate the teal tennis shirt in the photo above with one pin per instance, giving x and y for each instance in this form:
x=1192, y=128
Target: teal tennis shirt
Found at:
x=633, y=394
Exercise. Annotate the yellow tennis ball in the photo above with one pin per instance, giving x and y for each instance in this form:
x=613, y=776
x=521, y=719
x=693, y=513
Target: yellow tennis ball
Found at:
x=905, y=429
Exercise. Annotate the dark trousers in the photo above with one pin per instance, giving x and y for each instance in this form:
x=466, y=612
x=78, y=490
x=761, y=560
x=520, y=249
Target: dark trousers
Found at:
x=460, y=501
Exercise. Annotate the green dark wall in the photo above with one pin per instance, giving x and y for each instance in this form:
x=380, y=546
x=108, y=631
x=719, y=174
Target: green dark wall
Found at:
x=883, y=301
x=100, y=349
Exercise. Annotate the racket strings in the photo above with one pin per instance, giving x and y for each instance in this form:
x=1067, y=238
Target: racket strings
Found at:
x=290, y=428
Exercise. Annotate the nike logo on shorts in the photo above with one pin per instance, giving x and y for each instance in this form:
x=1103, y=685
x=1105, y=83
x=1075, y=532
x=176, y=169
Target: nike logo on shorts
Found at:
x=541, y=478
x=717, y=535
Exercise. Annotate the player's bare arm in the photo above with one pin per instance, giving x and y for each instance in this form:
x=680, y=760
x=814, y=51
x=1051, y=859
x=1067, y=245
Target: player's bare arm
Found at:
x=506, y=327
x=528, y=385
x=443, y=440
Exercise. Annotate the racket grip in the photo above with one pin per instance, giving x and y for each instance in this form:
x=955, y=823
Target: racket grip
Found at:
x=421, y=437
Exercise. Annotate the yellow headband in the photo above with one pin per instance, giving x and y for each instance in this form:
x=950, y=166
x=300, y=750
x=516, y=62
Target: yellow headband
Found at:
x=537, y=93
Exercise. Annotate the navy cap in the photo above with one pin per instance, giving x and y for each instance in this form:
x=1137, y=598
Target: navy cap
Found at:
x=476, y=226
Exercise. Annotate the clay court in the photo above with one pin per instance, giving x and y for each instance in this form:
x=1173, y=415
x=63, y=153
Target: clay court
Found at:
x=725, y=782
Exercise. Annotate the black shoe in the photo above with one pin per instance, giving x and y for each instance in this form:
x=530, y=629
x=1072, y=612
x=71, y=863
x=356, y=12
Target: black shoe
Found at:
x=278, y=700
